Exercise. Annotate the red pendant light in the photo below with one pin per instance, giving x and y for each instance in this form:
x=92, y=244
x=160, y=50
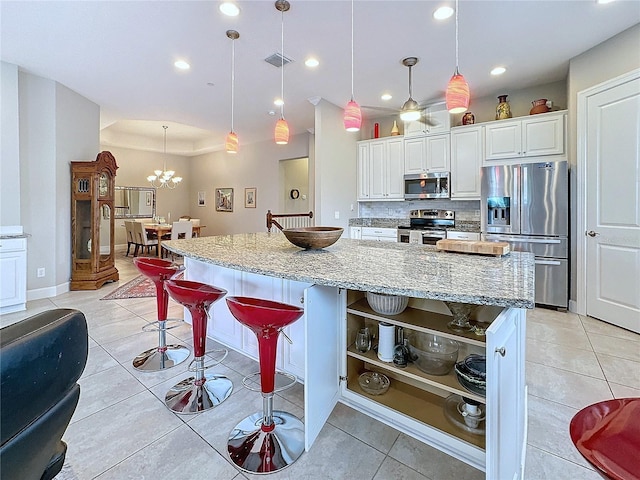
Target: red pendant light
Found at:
x=231, y=142
x=352, y=117
x=281, y=133
x=457, y=94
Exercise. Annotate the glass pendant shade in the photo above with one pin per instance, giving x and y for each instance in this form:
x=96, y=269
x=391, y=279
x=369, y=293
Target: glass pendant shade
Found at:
x=352, y=117
x=457, y=94
x=231, y=143
x=282, y=132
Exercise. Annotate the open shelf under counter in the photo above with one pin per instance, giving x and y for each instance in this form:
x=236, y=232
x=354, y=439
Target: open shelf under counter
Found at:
x=448, y=382
x=418, y=404
x=425, y=321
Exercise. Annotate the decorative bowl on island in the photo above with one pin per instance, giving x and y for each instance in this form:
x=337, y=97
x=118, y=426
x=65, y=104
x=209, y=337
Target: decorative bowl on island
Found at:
x=313, y=238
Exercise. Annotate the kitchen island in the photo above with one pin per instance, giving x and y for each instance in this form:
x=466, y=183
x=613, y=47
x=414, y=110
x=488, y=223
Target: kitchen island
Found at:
x=330, y=283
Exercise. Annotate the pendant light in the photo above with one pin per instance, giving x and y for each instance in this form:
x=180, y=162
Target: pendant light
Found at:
x=457, y=94
x=282, y=127
x=352, y=115
x=164, y=178
x=231, y=142
x=410, y=110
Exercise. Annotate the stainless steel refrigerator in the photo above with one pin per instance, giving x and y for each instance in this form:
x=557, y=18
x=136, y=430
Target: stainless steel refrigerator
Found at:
x=527, y=206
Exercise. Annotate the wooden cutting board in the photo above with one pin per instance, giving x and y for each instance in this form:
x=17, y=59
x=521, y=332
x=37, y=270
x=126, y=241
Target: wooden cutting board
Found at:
x=480, y=248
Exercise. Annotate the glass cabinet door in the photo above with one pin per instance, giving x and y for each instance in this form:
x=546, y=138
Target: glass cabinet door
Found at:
x=83, y=229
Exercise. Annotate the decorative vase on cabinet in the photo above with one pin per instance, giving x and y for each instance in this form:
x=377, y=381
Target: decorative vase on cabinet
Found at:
x=539, y=106
x=395, y=130
x=503, y=109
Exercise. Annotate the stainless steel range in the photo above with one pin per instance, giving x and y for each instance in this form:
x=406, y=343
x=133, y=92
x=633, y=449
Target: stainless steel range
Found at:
x=426, y=226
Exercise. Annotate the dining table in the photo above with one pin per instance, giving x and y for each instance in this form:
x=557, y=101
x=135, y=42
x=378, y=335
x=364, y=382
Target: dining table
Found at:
x=162, y=229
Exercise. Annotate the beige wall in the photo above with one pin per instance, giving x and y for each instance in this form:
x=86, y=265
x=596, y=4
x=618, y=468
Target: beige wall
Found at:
x=294, y=174
x=618, y=55
x=253, y=166
x=134, y=166
x=9, y=146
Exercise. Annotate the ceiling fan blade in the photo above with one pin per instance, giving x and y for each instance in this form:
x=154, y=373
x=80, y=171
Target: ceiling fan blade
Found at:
x=381, y=109
x=427, y=120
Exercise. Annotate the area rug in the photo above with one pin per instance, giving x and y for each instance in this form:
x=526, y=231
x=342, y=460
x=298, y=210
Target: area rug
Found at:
x=139, y=287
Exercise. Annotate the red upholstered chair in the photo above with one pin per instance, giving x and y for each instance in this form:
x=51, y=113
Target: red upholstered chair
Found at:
x=607, y=434
x=163, y=356
x=204, y=390
x=266, y=441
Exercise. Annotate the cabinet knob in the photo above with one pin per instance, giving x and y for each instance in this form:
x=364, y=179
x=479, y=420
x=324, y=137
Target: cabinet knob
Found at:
x=502, y=351
x=302, y=300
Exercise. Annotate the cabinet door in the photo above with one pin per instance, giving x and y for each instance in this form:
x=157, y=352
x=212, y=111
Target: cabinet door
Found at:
x=13, y=278
x=363, y=171
x=505, y=395
x=377, y=169
x=395, y=168
x=355, y=232
x=543, y=136
x=323, y=349
x=415, y=155
x=294, y=352
x=466, y=163
x=415, y=129
x=438, y=151
x=503, y=140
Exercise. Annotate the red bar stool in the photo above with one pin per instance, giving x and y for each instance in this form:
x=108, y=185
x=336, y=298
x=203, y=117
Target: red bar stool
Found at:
x=266, y=441
x=203, y=391
x=163, y=356
x=607, y=434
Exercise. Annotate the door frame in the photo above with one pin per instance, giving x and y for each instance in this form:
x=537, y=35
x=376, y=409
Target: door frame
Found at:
x=581, y=181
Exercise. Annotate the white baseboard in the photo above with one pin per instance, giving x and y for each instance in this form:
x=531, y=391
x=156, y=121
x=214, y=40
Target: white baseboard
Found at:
x=47, y=292
x=573, y=307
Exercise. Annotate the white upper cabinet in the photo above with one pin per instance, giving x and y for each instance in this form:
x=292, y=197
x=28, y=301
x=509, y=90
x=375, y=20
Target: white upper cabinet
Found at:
x=427, y=154
x=440, y=119
x=466, y=162
x=533, y=136
x=381, y=169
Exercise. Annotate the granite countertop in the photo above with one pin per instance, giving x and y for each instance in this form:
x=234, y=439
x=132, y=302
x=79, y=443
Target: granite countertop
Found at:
x=460, y=226
x=384, y=267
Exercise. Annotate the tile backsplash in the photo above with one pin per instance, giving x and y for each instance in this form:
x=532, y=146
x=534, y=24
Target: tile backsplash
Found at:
x=466, y=210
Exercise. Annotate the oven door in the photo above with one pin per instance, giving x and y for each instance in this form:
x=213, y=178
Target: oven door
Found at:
x=431, y=237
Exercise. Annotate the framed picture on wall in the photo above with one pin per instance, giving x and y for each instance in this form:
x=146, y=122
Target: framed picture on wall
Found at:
x=201, y=199
x=224, y=199
x=250, y=197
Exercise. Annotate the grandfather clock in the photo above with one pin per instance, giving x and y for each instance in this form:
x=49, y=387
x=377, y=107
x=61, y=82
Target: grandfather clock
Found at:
x=92, y=223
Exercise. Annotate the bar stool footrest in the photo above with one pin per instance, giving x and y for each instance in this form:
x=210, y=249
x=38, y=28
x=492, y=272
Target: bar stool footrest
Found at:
x=283, y=381
x=153, y=326
x=192, y=367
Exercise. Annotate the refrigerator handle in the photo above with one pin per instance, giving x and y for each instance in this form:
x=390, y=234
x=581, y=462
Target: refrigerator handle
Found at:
x=525, y=240
x=547, y=262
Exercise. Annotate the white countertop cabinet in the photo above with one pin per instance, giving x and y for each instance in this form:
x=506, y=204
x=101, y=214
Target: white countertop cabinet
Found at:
x=414, y=402
x=466, y=162
x=525, y=137
x=13, y=274
x=379, y=234
x=380, y=169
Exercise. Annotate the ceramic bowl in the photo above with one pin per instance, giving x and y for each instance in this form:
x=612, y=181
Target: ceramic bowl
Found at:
x=471, y=373
x=374, y=383
x=436, y=356
x=387, y=304
x=313, y=238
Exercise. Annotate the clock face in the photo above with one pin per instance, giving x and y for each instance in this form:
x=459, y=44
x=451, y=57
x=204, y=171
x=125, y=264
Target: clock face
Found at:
x=103, y=186
x=294, y=193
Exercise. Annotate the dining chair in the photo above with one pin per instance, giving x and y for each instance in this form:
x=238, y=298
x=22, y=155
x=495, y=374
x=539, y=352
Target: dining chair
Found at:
x=142, y=240
x=180, y=229
x=128, y=227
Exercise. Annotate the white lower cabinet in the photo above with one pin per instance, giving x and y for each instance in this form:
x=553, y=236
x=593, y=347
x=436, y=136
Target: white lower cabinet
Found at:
x=379, y=234
x=355, y=232
x=224, y=328
x=456, y=235
x=13, y=274
x=414, y=403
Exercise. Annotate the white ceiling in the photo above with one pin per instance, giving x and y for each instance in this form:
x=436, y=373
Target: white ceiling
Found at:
x=120, y=55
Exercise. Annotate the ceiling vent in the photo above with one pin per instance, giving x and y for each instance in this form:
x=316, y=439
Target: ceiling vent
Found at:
x=278, y=60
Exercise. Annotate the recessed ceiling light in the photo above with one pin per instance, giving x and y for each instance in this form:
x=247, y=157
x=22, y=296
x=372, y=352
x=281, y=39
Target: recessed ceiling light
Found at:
x=498, y=71
x=311, y=62
x=230, y=9
x=278, y=102
x=385, y=97
x=182, y=65
x=602, y=2
x=443, y=13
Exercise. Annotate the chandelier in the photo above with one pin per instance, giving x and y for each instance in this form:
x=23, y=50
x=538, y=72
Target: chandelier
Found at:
x=164, y=178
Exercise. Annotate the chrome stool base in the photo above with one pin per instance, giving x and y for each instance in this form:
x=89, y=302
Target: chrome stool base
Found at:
x=255, y=451
x=186, y=397
x=153, y=360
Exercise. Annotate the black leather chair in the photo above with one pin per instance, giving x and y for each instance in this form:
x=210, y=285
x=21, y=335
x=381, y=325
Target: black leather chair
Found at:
x=41, y=359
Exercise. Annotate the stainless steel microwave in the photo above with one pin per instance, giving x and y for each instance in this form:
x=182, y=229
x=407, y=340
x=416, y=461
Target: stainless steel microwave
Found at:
x=426, y=185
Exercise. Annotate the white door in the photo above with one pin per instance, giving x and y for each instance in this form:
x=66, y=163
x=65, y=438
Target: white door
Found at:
x=612, y=233
x=322, y=374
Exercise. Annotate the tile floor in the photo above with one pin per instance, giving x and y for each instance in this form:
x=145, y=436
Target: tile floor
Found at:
x=122, y=430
